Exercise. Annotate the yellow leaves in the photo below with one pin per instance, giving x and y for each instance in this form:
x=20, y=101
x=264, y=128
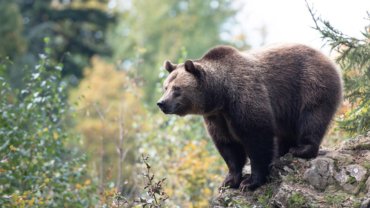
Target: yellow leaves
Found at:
x=141, y=50
x=90, y=4
x=106, y=98
x=87, y=182
x=196, y=169
x=197, y=159
x=102, y=80
x=107, y=195
x=169, y=191
x=207, y=191
x=47, y=180
x=202, y=203
x=55, y=135
x=78, y=186
x=44, y=130
x=40, y=202
x=18, y=199
x=31, y=201
x=12, y=148
x=23, y=200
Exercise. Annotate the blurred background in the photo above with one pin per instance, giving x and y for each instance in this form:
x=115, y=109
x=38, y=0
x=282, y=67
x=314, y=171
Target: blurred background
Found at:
x=79, y=80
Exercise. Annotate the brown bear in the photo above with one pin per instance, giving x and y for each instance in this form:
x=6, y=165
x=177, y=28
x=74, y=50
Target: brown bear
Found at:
x=259, y=105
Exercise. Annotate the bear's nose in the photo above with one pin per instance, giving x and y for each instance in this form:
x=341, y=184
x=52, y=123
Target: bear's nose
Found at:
x=163, y=106
x=160, y=104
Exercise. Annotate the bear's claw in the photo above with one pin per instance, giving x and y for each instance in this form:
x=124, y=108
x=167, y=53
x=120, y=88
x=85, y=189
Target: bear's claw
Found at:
x=250, y=183
x=232, y=180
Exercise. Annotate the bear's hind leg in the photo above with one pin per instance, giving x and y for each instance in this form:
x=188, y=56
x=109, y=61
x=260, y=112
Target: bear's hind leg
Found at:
x=312, y=127
x=284, y=144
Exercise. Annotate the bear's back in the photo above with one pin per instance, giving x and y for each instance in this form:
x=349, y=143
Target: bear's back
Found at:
x=299, y=70
x=298, y=77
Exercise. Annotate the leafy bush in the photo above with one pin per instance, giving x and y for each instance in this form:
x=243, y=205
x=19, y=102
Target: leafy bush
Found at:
x=37, y=168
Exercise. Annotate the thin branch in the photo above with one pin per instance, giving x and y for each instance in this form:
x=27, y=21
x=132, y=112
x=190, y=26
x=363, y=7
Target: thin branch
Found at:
x=102, y=151
x=331, y=35
x=120, y=150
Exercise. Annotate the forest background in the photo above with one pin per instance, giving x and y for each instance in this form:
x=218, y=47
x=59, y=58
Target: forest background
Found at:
x=79, y=80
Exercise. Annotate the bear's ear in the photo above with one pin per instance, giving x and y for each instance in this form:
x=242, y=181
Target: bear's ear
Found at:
x=190, y=67
x=169, y=66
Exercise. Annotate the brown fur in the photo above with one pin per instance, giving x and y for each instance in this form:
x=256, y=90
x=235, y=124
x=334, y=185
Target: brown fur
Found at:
x=289, y=92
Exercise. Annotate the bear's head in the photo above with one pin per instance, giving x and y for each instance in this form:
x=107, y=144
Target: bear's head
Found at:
x=183, y=92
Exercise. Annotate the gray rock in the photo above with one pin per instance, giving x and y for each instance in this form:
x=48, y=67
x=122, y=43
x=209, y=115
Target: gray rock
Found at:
x=281, y=197
x=341, y=176
x=357, y=171
x=365, y=203
x=368, y=186
x=291, y=195
x=350, y=188
x=288, y=169
x=350, y=177
x=343, y=158
x=320, y=174
x=367, y=156
x=358, y=143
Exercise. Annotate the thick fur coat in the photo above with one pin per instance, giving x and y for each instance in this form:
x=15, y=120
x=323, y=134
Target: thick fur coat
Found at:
x=257, y=105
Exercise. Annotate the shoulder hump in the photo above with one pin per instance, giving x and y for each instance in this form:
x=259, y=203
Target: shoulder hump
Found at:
x=219, y=52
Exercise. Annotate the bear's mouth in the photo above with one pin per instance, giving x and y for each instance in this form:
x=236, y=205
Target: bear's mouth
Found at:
x=179, y=109
x=171, y=110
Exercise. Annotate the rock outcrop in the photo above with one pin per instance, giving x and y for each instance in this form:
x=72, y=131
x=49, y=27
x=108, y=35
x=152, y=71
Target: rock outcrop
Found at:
x=336, y=178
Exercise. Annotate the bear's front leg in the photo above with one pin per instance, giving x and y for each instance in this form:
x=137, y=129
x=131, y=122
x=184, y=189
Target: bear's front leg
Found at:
x=260, y=148
x=231, y=151
x=235, y=158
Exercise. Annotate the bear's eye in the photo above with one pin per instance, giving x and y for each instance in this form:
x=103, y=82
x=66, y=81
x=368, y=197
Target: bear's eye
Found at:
x=176, y=91
x=176, y=88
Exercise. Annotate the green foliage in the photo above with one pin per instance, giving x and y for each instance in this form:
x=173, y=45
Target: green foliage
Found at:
x=11, y=42
x=76, y=32
x=36, y=168
x=296, y=200
x=354, y=60
x=264, y=199
x=335, y=199
x=150, y=32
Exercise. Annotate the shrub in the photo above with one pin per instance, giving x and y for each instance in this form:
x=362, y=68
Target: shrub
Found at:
x=37, y=168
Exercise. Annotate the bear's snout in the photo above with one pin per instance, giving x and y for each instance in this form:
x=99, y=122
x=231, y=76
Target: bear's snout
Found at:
x=162, y=105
